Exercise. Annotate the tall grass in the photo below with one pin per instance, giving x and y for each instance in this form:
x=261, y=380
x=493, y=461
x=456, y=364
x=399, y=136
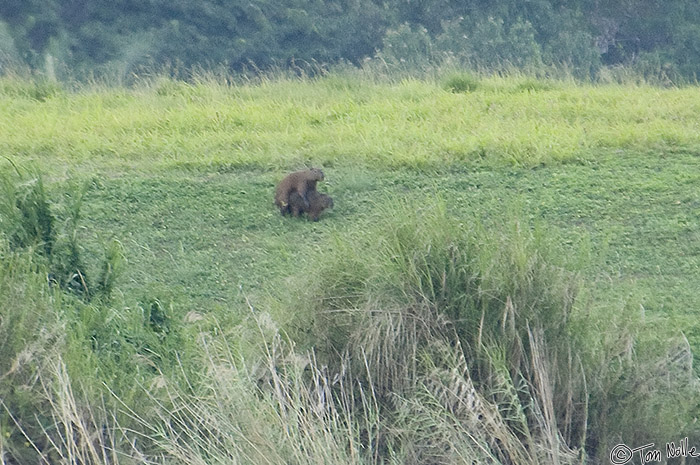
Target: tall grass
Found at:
x=288, y=122
x=453, y=343
x=29, y=220
x=25, y=213
x=495, y=333
x=60, y=340
x=418, y=339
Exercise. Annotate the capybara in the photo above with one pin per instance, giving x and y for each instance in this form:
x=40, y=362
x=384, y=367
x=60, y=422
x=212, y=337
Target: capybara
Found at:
x=301, y=182
x=317, y=203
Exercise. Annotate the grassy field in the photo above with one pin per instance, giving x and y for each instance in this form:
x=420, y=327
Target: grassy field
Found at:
x=535, y=188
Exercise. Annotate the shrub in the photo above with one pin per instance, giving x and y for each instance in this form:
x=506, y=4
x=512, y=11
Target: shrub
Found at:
x=462, y=82
x=28, y=220
x=25, y=214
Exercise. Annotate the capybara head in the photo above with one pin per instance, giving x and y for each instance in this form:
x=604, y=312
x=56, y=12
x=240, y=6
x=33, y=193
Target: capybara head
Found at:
x=317, y=174
x=326, y=201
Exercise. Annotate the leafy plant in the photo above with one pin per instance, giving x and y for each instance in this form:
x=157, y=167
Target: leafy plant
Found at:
x=28, y=220
x=26, y=215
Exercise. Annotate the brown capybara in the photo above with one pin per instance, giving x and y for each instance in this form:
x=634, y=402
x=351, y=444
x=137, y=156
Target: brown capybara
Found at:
x=317, y=203
x=301, y=182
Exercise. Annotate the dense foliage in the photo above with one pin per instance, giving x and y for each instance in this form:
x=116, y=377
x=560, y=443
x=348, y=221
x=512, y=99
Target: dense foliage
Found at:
x=509, y=275
x=656, y=38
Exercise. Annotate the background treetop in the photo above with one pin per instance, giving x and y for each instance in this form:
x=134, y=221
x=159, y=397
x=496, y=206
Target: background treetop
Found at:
x=583, y=36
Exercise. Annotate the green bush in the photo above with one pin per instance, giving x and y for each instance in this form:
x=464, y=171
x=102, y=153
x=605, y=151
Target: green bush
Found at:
x=28, y=220
x=462, y=82
x=25, y=215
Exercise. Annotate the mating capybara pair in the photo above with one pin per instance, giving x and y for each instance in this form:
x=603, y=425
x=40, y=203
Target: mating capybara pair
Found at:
x=296, y=194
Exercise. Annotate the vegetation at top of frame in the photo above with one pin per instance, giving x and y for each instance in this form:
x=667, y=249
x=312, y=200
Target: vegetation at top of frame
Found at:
x=117, y=38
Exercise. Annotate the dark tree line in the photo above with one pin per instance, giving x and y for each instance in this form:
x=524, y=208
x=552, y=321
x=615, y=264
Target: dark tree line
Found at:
x=583, y=35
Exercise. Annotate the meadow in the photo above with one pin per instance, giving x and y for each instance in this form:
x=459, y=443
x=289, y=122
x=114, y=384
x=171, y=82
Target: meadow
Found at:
x=509, y=274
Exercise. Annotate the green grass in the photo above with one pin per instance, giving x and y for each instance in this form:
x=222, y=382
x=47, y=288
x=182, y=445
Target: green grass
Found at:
x=281, y=124
x=182, y=177
x=205, y=236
